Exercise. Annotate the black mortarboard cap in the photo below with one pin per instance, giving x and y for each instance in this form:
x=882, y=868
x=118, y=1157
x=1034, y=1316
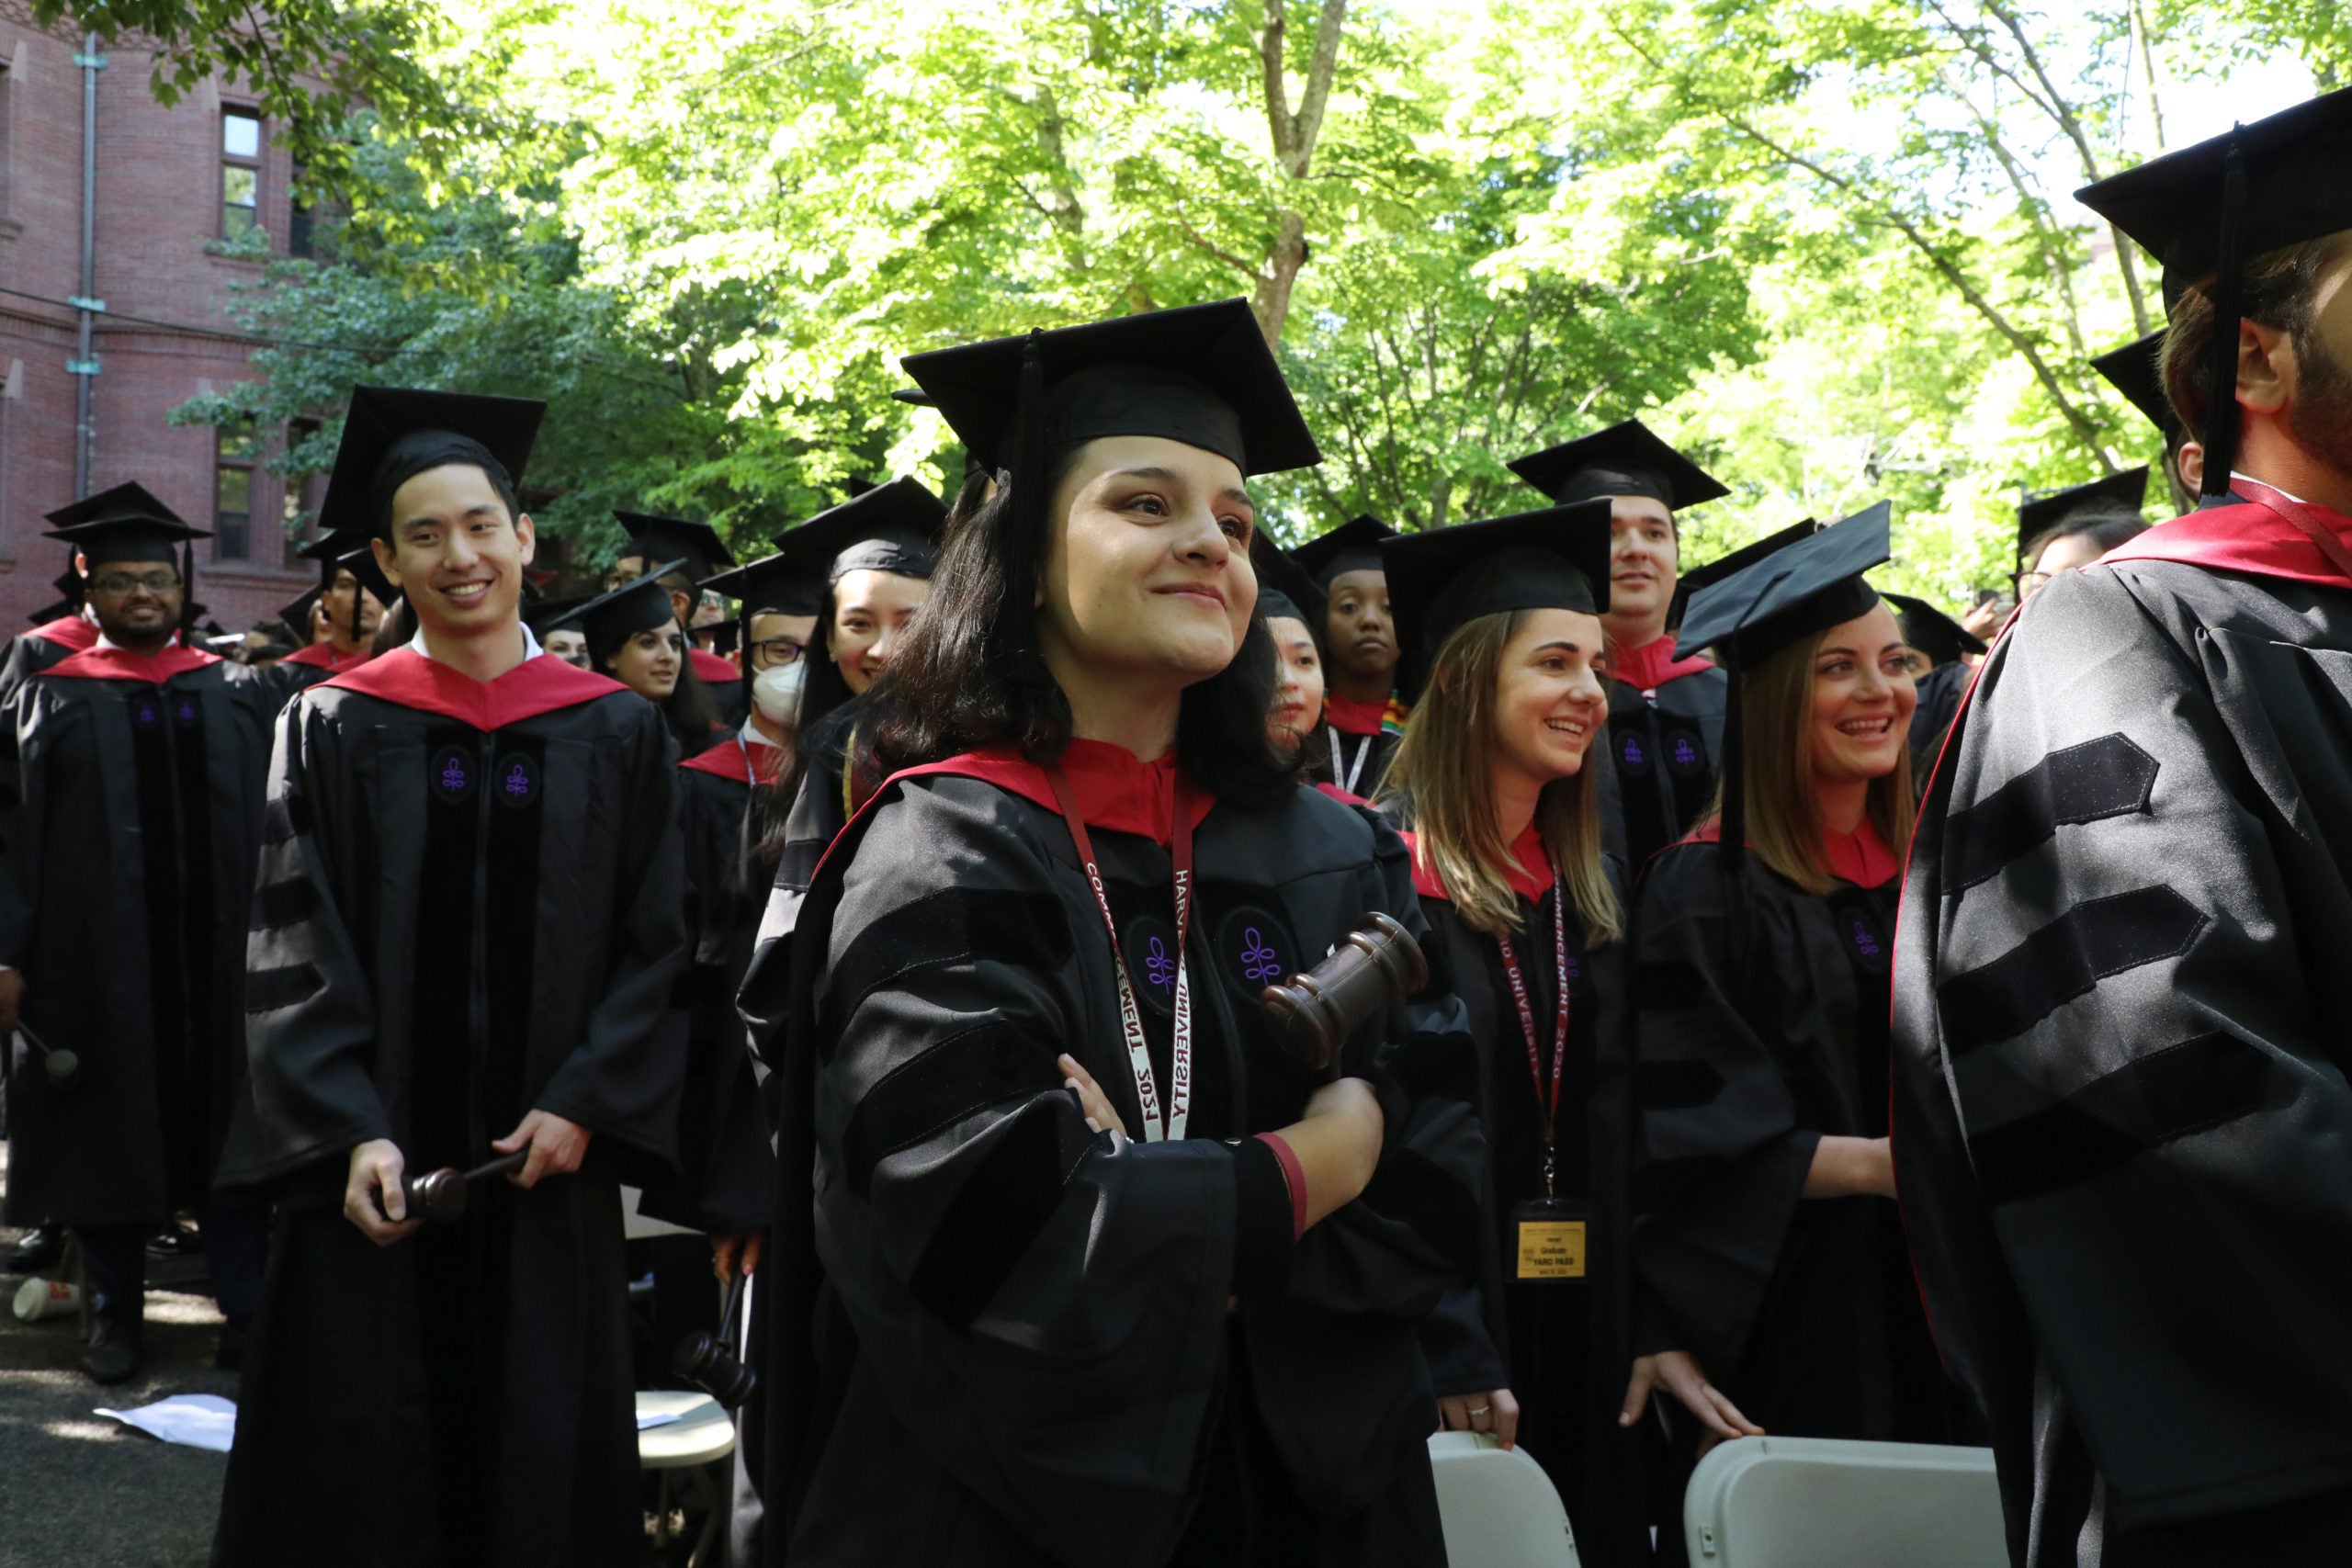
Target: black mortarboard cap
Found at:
x=1284, y=591
x=1688, y=584
x=2117, y=495
x=1556, y=558
x=1353, y=545
x=1931, y=631
x=2136, y=370
x=361, y=564
x=125, y=523
x=637, y=605
x=1198, y=374
x=2204, y=211
x=773, y=585
x=393, y=433
x=652, y=538
x=1804, y=587
x=540, y=614
x=1627, y=458
x=296, y=616
x=893, y=528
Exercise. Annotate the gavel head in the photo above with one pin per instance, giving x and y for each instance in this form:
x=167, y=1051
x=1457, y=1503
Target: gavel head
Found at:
x=1376, y=964
x=703, y=1360
x=437, y=1195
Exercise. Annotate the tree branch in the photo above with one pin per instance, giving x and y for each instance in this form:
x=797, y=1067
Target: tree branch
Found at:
x=1879, y=213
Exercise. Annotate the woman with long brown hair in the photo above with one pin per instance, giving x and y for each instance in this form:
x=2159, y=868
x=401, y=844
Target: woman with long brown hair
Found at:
x=1074, y=1261
x=1777, y=1293
x=1498, y=776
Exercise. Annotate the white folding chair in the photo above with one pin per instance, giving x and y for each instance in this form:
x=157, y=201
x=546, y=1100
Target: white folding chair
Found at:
x=1822, y=1502
x=701, y=1437
x=1497, y=1507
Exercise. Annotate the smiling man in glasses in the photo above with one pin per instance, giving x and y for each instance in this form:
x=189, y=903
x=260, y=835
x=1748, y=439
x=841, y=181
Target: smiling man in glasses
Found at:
x=131, y=778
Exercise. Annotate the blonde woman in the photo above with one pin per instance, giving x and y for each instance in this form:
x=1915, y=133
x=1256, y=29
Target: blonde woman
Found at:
x=1503, y=639
x=1776, y=1288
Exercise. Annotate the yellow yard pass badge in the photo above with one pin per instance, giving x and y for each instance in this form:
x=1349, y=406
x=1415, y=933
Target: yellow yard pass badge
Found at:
x=1551, y=1240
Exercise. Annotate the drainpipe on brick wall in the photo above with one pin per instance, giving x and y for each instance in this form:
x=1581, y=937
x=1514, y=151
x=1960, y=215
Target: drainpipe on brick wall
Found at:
x=84, y=364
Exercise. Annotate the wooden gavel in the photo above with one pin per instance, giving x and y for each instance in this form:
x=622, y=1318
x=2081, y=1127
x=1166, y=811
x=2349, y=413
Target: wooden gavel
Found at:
x=443, y=1194
x=1374, y=965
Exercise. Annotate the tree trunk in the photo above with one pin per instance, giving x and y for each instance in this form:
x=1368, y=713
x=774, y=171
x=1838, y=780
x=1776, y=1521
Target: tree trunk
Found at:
x=1293, y=136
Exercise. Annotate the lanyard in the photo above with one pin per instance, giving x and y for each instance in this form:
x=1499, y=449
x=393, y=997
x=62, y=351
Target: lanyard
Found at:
x=1551, y=1104
x=1354, y=772
x=1179, y=1059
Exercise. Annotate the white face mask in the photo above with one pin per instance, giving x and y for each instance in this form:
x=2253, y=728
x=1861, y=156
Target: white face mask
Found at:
x=776, y=692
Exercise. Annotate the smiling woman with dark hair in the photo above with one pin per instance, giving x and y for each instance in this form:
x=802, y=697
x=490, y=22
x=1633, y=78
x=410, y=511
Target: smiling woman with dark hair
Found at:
x=1107, y=1275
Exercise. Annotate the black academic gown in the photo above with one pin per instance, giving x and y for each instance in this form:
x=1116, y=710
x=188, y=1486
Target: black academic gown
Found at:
x=727, y=1180
x=1022, y=1352
x=1763, y=1030
x=305, y=668
x=31, y=652
x=2123, y=1110
x=1561, y=1347
x=1665, y=741
x=133, y=796
x=470, y=906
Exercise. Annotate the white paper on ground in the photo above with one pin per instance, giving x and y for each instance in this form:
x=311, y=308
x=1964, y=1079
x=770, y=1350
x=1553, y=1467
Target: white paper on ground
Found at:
x=199, y=1420
x=663, y=1418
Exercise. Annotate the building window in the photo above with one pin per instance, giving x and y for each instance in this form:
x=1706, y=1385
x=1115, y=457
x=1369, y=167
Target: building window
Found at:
x=299, y=240
x=239, y=174
x=235, y=449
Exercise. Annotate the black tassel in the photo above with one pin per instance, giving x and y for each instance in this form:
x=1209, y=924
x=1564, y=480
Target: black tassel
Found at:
x=744, y=670
x=188, y=591
x=2221, y=364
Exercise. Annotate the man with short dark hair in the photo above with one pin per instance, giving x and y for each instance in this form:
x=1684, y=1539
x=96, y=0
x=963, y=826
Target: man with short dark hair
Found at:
x=337, y=620
x=466, y=935
x=2122, y=1107
x=131, y=774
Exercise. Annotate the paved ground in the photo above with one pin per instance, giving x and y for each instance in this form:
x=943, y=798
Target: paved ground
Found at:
x=78, y=1489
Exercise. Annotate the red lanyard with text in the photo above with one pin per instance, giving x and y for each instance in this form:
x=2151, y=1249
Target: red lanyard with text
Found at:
x=1550, y=1104
x=1180, y=1057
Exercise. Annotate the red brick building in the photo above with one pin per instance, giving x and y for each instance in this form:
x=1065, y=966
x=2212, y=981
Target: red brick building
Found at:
x=171, y=184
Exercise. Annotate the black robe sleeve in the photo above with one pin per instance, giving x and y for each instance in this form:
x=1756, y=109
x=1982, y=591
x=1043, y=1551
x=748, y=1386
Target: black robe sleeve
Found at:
x=1723, y=1156
x=310, y=1011
x=2122, y=1104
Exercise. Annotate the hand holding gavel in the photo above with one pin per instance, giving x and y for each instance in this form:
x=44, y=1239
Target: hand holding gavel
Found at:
x=444, y=1194
x=1374, y=965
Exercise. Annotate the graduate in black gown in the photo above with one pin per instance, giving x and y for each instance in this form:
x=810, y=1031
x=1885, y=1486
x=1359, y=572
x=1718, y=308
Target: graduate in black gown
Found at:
x=1108, y=1276
x=2121, y=1100
x=1666, y=706
x=59, y=631
x=727, y=1185
x=634, y=636
x=1941, y=656
x=1363, y=716
x=466, y=938
x=2068, y=529
x=353, y=614
x=1769, y=1249
x=876, y=552
x=1500, y=621
x=131, y=775
x=681, y=554
x=1291, y=607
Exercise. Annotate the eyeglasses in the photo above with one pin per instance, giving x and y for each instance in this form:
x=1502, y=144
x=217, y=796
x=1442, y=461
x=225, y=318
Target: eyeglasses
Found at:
x=2026, y=582
x=778, y=650
x=118, y=583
